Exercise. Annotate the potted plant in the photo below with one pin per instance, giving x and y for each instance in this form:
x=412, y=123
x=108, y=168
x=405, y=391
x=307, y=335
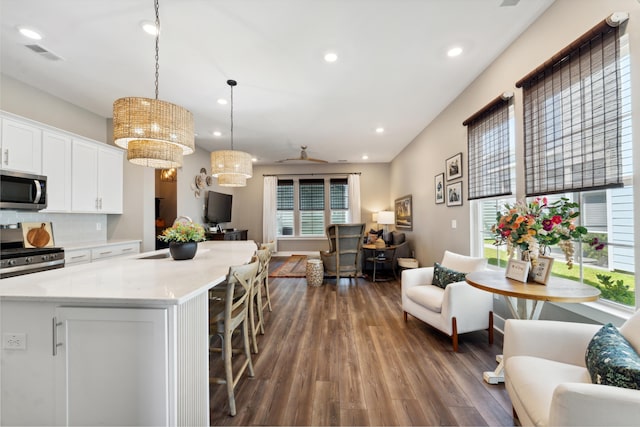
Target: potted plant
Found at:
x=183, y=238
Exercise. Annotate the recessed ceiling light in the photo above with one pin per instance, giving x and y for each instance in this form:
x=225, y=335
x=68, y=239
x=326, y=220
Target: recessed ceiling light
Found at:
x=365, y=157
x=380, y=130
x=254, y=159
x=454, y=51
x=217, y=133
x=149, y=27
x=222, y=101
x=30, y=33
x=331, y=57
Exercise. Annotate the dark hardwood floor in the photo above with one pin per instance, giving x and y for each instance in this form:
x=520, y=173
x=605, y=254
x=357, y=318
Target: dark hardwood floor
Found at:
x=342, y=355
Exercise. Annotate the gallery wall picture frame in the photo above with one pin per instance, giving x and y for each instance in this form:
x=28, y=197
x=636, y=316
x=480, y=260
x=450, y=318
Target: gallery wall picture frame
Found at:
x=517, y=270
x=439, y=188
x=404, y=213
x=454, y=194
x=542, y=270
x=453, y=167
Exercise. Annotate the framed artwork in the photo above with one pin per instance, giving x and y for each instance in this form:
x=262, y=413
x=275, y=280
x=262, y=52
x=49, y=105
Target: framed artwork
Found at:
x=403, y=211
x=453, y=167
x=542, y=271
x=517, y=270
x=439, y=187
x=454, y=194
x=37, y=234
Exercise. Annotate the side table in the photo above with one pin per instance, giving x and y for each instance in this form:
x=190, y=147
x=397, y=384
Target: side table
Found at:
x=383, y=258
x=315, y=272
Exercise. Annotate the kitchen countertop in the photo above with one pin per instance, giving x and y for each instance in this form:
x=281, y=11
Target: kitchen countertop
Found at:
x=133, y=279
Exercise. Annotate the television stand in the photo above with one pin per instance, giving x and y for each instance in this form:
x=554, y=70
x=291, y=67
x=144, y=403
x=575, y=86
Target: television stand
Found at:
x=227, y=235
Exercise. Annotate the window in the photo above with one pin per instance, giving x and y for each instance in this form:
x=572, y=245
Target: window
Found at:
x=311, y=196
x=339, y=195
x=577, y=128
x=307, y=205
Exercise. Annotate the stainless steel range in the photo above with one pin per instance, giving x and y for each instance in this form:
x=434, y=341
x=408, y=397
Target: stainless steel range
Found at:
x=16, y=260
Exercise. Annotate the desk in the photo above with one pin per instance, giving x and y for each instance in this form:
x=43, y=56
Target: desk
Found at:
x=525, y=300
x=382, y=256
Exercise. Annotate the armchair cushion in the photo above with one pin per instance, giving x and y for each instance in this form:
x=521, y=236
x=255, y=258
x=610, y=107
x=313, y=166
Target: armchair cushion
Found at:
x=429, y=297
x=442, y=276
x=611, y=360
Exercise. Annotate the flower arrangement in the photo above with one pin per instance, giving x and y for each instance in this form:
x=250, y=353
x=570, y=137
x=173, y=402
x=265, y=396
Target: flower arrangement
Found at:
x=535, y=226
x=182, y=233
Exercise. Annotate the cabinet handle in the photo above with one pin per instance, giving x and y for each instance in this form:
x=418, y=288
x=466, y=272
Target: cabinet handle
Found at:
x=106, y=253
x=127, y=249
x=97, y=203
x=78, y=256
x=56, y=344
x=6, y=156
x=100, y=203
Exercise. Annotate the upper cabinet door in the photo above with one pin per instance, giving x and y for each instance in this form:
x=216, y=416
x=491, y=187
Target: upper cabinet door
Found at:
x=21, y=147
x=84, y=176
x=56, y=166
x=110, y=170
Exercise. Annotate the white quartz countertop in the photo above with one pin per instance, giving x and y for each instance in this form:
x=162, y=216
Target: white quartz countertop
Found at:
x=133, y=279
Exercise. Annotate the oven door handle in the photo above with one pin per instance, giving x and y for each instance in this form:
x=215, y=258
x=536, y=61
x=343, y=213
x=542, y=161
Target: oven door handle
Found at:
x=31, y=266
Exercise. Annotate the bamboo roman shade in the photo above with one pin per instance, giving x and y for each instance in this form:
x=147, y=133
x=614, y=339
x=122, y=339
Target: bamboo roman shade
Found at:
x=490, y=158
x=573, y=116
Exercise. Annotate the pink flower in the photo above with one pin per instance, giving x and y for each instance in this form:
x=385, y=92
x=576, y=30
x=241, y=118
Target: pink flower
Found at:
x=557, y=219
x=547, y=225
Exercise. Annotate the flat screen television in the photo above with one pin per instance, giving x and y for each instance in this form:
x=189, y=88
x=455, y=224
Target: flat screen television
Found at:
x=218, y=207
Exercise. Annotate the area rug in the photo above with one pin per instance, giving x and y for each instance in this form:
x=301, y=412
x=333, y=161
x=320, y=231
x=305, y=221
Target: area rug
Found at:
x=294, y=266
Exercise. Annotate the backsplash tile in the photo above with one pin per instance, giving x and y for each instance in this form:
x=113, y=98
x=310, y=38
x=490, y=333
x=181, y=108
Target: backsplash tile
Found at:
x=67, y=228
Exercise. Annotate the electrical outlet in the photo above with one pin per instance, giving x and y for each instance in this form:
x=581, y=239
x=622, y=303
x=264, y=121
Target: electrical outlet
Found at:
x=98, y=226
x=14, y=341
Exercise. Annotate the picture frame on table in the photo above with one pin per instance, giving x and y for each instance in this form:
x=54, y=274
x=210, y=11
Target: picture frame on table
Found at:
x=454, y=194
x=453, y=167
x=517, y=270
x=542, y=270
x=439, y=188
x=404, y=213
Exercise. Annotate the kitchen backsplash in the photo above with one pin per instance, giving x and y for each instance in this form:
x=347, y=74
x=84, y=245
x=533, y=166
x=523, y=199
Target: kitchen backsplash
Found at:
x=67, y=228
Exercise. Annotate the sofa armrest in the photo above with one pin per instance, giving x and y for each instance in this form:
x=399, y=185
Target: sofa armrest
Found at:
x=416, y=277
x=560, y=341
x=579, y=404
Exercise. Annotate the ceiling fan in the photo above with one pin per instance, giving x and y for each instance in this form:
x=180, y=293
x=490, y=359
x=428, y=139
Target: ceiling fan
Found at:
x=304, y=156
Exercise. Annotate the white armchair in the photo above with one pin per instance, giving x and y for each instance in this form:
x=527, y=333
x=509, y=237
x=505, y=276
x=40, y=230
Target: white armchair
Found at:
x=454, y=310
x=548, y=381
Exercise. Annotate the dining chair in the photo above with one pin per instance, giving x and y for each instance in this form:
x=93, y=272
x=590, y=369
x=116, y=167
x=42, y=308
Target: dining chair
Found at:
x=266, y=260
x=228, y=314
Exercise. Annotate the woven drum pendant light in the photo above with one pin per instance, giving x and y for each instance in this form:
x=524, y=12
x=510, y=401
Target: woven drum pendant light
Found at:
x=231, y=167
x=155, y=133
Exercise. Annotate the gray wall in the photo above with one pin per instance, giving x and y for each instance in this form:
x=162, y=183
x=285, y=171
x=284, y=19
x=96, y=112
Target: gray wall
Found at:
x=425, y=157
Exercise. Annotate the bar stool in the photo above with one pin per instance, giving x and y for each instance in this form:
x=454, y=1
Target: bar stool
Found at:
x=225, y=316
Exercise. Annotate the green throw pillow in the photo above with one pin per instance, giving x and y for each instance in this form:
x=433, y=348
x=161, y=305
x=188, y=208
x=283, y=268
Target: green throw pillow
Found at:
x=611, y=360
x=442, y=276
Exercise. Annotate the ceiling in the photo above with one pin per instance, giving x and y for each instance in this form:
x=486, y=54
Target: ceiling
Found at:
x=392, y=69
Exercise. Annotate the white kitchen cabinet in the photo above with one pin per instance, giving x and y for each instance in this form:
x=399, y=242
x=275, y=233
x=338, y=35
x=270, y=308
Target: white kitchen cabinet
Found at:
x=77, y=256
x=56, y=166
x=96, y=175
x=111, y=366
x=21, y=145
x=112, y=251
x=98, y=252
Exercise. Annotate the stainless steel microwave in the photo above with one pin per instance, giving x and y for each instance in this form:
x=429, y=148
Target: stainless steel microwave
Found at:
x=22, y=191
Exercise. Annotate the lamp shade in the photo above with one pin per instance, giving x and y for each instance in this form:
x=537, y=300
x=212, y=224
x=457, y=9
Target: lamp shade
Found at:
x=232, y=180
x=386, y=217
x=154, y=154
x=152, y=120
x=231, y=162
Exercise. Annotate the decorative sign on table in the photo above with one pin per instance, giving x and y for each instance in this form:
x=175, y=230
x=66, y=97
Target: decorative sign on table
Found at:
x=542, y=270
x=517, y=270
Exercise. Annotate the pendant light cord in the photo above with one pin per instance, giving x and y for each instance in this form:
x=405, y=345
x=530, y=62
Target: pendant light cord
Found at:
x=232, y=83
x=157, y=7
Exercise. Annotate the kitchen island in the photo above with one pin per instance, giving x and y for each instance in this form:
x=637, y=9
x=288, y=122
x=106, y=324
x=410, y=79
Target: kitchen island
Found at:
x=120, y=342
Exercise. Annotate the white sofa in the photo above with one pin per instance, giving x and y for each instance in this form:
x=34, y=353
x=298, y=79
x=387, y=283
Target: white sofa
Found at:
x=454, y=310
x=548, y=381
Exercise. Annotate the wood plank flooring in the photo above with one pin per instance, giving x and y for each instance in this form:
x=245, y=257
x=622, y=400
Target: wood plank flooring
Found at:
x=343, y=355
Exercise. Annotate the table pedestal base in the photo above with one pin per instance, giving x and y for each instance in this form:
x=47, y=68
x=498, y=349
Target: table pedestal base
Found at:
x=497, y=376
